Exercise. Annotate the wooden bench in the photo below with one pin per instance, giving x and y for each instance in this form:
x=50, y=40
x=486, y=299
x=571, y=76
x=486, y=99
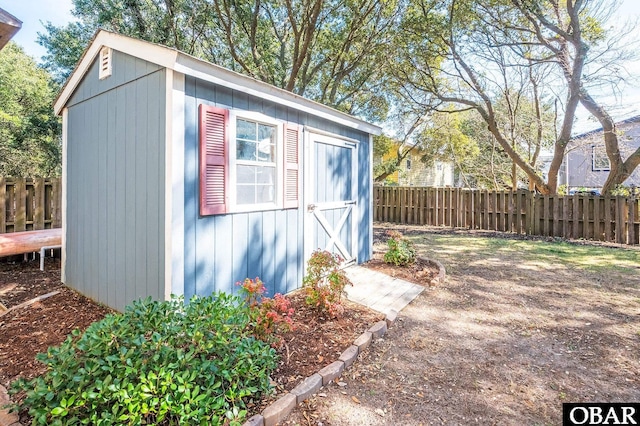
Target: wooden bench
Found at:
x=30, y=242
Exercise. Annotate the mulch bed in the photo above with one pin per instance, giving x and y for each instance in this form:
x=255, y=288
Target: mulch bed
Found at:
x=318, y=340
x=420, y=272
x=315, y=342
x=27, y=331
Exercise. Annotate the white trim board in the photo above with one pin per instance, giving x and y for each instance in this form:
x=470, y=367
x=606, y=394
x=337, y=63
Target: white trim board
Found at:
x=174, y=185
x=63, y=204
x=191, y=66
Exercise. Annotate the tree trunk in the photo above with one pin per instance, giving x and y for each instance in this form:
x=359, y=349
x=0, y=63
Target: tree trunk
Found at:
x=621, y=173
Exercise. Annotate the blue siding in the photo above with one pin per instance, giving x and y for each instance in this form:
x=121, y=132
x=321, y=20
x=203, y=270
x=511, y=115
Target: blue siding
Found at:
x=125, y=69
x=115, y=185
x=224, y=249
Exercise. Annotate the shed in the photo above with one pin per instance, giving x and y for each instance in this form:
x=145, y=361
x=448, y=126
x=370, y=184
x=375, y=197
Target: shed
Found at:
x=182, y=177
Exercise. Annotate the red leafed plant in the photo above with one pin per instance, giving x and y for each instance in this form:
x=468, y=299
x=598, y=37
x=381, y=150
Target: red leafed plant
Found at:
x=325, y=282
x=270, y=316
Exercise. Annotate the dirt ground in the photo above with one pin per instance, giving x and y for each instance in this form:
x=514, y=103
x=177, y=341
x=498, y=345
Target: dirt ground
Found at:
x=518, y=328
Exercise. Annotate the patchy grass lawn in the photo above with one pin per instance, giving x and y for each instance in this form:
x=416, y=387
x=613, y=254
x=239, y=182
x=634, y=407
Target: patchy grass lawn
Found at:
x=519, y=327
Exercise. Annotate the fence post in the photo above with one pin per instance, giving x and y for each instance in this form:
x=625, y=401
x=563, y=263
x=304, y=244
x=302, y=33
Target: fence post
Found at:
x=586, y=217
x=56, y=211
x=38, y=203
x=575, y=225
x=528, y=211
x=20, y=221
x=3, y=205
x=545, y=215
x=620, y=216
x=597, y=235
x=631, y=227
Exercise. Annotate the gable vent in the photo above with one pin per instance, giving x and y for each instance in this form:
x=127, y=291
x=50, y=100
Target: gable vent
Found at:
x=105, y=63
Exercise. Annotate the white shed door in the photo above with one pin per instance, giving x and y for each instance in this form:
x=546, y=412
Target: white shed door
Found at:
x=331, y=192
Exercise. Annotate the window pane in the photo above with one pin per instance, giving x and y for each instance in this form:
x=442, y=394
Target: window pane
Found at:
x=245, y=130
x=246, y=174
x=265, y=175
x=265, y=194
x=256, y=184
x=267, y=143
x=246, y=194
x=245, y=150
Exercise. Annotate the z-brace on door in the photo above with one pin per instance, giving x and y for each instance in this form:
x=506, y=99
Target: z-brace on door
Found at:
x=331, y=196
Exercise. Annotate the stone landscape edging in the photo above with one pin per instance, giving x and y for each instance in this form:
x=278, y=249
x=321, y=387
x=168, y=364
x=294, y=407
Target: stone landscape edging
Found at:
x=442, y=273
x=282, y=407
x=7, y=418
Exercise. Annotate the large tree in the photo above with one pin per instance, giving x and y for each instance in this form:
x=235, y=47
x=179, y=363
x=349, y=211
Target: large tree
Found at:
x=29, y=131
x=326, y=50
x=493, y=50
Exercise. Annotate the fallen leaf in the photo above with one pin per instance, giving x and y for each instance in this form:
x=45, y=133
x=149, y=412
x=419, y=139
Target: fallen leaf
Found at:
x=379, y=412
x=356, y=400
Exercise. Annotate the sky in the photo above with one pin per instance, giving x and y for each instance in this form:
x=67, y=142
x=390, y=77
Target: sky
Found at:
x=33, y=12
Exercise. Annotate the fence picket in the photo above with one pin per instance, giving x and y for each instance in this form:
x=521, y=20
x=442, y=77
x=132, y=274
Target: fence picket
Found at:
x=29, y=204
x=3, y=205
x=620, y=229
x=631, y=238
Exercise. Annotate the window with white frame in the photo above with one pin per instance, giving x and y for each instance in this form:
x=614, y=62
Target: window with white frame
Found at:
x=599, y=159
x=248, y=162
x=256, y=162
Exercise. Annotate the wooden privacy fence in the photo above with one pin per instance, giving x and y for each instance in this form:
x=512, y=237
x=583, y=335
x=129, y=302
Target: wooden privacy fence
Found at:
x=603, y=218
x=30, y=204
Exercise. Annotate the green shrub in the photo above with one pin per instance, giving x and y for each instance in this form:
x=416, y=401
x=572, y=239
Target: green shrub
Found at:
x=158, y=363
x=325, y=282
x=401, y=251
x=271, y=317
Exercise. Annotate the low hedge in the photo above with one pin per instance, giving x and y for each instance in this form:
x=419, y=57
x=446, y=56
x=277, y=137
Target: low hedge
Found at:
x=158, y=363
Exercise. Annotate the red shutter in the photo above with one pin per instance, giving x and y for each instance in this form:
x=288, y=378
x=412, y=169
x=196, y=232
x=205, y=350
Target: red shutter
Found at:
x=213, y=160
x=291, y=165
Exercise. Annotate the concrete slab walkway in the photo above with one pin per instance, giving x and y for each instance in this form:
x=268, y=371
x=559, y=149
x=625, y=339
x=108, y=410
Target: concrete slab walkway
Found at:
x=379, y=291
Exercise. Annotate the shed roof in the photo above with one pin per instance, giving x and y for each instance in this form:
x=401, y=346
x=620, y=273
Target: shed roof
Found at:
x=192, y=66
x=9, y=26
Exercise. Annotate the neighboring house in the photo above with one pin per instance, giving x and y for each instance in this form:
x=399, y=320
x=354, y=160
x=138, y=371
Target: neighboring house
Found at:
x=9, y=26
x=182, y=177
x=414, y=172
x=586, y=164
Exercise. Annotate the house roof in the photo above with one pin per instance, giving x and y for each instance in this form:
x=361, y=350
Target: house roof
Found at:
x=189, y=65
x=630, y=120
x=9, y=26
